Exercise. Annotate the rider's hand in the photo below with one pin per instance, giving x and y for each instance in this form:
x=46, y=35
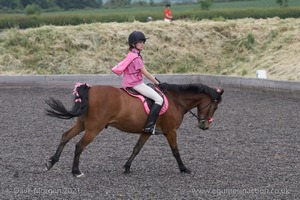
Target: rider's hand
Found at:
x=157, y=81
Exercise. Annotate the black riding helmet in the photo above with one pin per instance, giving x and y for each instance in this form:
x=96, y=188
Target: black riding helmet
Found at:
x=136, y=36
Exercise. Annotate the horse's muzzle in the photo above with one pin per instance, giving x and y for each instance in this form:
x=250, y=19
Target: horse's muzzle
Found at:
x=204, y=125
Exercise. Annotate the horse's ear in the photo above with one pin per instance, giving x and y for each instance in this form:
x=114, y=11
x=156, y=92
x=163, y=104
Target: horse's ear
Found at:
x=220, y=91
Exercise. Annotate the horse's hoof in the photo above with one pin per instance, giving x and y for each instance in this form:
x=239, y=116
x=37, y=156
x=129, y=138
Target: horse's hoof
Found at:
x=186, y=170
x=127, y=171
x=48, y=166
x=81, y=175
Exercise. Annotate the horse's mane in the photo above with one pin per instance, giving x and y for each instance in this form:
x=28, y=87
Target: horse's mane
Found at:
x=193, y=88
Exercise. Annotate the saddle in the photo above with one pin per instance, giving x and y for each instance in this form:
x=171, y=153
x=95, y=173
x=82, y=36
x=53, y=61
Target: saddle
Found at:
x=147, y=103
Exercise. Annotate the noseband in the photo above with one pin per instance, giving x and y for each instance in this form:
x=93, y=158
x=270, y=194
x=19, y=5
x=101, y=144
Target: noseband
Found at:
x=209, y=119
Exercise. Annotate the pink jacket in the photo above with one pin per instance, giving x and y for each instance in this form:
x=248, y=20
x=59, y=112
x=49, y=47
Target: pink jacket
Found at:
x=121, y=66
x=131, y=67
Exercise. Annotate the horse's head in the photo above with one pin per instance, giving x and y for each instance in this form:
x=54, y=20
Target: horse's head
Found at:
x=189, y=96
x=207, y=108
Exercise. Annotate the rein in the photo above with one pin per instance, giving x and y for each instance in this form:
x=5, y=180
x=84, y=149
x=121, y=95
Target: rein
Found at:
x=175, y=100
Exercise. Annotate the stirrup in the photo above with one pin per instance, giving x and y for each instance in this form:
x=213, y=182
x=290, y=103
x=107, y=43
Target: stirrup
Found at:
x=152, y=132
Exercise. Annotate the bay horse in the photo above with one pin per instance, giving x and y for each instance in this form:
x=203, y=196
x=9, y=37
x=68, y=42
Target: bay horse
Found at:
x=100, y=106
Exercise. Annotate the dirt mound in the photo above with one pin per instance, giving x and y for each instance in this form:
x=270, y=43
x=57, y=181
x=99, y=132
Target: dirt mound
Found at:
x=231, y=47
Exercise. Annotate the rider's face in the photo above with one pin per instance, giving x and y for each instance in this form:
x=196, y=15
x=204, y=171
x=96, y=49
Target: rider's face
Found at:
x=139, y=45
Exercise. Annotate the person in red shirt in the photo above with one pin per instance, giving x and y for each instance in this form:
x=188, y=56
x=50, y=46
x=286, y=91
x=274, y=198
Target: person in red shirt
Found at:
x=168, y=14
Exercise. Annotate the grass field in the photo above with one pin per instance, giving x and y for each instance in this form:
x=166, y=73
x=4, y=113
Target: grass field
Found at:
x=180, y=8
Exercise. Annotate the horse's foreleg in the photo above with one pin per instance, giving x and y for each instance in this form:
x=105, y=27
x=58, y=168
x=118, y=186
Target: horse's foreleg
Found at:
x=140, y=143
x=66, y=137
x=171, y=137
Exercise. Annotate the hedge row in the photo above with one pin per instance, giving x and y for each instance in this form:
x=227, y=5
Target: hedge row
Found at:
x=22, y=21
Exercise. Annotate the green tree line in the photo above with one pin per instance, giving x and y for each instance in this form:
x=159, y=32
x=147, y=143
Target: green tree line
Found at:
x=47, y=4
x=66, y=4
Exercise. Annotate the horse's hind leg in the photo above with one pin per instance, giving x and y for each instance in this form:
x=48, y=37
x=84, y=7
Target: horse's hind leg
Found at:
x=66, y=137
x=140, y=143
x=87, y=138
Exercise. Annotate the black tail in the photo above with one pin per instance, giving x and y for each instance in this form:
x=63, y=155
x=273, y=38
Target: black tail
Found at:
x=79, y=108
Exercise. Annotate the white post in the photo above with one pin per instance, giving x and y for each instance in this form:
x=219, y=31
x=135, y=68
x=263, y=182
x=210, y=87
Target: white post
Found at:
x=261, y=74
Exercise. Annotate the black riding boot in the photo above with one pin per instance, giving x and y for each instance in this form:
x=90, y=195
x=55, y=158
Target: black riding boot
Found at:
x=151, y=121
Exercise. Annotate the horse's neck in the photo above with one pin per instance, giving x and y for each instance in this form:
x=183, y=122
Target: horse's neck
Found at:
x=189, y=101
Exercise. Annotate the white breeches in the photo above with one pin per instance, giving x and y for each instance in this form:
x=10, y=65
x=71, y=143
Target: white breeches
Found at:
x=149, y=92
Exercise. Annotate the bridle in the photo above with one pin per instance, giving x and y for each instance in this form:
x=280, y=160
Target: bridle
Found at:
x=209, y=119
x=202, y=120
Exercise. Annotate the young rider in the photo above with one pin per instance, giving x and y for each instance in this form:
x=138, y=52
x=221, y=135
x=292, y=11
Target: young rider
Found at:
x=133, y=77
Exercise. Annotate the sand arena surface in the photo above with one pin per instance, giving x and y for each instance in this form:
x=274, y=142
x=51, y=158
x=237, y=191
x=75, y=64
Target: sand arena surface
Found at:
x=251, y=152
